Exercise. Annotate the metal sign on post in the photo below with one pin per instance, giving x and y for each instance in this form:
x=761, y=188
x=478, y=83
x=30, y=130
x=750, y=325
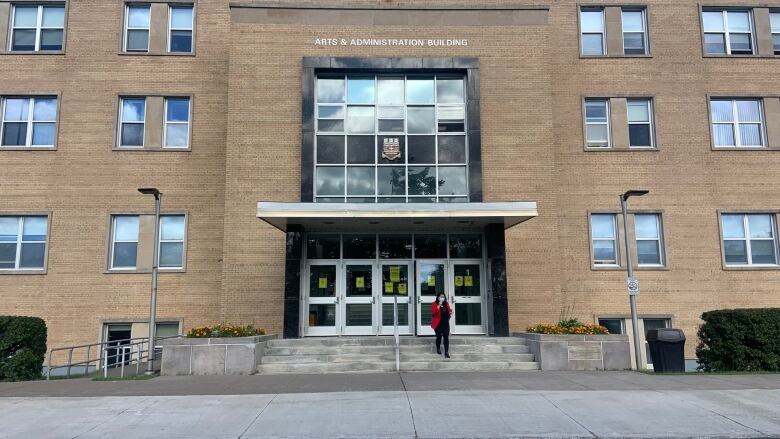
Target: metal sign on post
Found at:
x=632, y=285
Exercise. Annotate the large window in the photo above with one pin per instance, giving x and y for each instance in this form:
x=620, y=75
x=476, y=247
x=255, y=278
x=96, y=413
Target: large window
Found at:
x=749, y=239
x=127, y=234
x=23, y=242
x=634, y=31
x=177, y=122
x=640, y=123
x=597, y=123
x=737, y=122
x=180, y=27
x=394, y=246
x=171, y=241
x=132, y=116
x=728, y=32
x=36, y=28
x=592, y=31
x=649, y=247
x=124, y=242
x=391, y=138
x=137, y=21
x=603, y=229
x=28, y=121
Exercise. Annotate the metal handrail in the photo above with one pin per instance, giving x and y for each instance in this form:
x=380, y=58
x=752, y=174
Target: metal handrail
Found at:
x=395, y=335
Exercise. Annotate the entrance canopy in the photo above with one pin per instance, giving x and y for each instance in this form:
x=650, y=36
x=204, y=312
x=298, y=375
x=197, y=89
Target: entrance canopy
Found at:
x=394, y=216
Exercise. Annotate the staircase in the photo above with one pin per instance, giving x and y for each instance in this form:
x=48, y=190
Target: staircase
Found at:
x=377, y=354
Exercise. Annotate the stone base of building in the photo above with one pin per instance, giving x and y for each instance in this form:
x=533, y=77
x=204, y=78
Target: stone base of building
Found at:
x=579, y=352
x=213, y=356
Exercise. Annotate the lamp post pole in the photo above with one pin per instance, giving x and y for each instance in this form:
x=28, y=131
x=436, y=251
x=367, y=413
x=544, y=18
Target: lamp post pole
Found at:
x=630, y=272
x=155, y=263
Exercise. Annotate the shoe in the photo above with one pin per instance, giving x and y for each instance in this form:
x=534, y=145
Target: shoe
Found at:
x=446, y=355
x=438, y=351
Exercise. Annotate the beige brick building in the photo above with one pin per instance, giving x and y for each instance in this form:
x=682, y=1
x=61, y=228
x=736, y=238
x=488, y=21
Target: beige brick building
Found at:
x=472, y=148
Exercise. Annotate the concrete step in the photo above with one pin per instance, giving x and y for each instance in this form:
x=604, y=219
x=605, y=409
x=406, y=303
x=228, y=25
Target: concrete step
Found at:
x=390, y=357
x=417, y=348
x=325, y=367
x=467, y=366
x=389, y=341
x=417, y=366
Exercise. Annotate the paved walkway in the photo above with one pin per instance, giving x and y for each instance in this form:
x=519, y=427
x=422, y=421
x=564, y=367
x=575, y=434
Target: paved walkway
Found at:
x=421, y=405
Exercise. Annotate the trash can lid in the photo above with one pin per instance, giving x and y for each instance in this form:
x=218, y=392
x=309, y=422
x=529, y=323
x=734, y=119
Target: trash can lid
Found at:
x=666, y=334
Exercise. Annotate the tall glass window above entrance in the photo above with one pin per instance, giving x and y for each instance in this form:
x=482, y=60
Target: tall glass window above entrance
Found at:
x=391, y=139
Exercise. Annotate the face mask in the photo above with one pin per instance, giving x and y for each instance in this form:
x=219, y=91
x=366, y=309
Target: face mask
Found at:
x=441, y=299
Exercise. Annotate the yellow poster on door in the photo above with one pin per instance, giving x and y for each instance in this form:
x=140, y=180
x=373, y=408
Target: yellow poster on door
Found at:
x=458, y=281
x=402, y=289
x=323, y=282
x=468, y=281
x=395, y=273
x=431, y=281
x=388, y=287
x=360, y=282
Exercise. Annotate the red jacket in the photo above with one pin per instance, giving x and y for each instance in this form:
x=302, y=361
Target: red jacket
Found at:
x=437, y=313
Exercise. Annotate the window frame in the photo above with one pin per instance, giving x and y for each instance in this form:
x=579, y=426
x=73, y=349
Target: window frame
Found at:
x=582, y=33
x=774, y=32
x=608, y=123
x=121, y=123
x=38, y=27
x=127, y=28
x=183, y=241
x=726, y=33
x=30, y=121
x=113, y=242
x=645, y=38
x=620, y=239
x=773, y=216
x=651, y=122
x=165, y=145
x=596, y=264
x=20, y=240
x=736, y=123
x=109, y=242
x=660, y=244
x=170, y=27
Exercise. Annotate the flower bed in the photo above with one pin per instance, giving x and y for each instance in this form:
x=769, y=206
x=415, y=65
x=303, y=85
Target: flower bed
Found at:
x=224, y=330
x=572, y=326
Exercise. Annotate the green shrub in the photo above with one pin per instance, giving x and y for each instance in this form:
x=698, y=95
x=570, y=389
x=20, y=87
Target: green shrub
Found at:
x=22, y=348
x=740, y=340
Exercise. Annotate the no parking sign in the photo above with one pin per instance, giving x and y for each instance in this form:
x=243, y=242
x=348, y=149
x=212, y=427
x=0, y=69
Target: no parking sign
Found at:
x=632, y=284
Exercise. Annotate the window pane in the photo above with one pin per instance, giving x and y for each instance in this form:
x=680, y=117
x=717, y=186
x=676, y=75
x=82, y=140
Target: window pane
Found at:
x=330, y=180
x=9, y=228
x=138, y=16
x=614, y=326
x=633, y=21
x=330, y=90
x=330, y=126
x=133, y=110
x=25, y=16
x=639, y=135
x=603, y=226
x=591, y=21
x=750, y=134
x=391, y=125
x=331, y=111
x=360, y=180
x=715, y=43
x=171, y=254
x=776, y=43
x=138, y=40
x=32, y=255
x=392, y=181
x=395, y=247
x=422, y=149
x=53, y=16
x=740, y=43
x=604, y=251
x=722, y=111
x=646, y=226
x=760, y=226
x=733, y=226
x=739, y=21
x=596, y=111
x=648, y=253
x=51, y=39
x=452, y=149
x=421, y=120
x=713, y=21
x=15, y=134
x=735, y=251
x=181, y=18
x=431, y=246
x=178, y=110
x=592, y=44
x=465, y=246
x=724, y=134
x=43, y=134
x=638, y=111
x=419, y=91
x=360, y=119
x=422, y=180
x=177, y=134
x=359, y=246
x=126, y=228
x=330, y=149
x=17, y=109
x=774, y=19
x=360, y=91
x=132, y=134
x=323, y=247
x=125, y=254
x=449, y=91
x=452, y=113
x=360, y=149
x=23, y=40
x=172, y=227
x=468, y=313
x=390, y=112
x=634, y=43
x=7, y=255
x=597, y=135
x=391, y=91
x=452, y=180
x=763, y=251
x=403, y=313
x=45, y=109
x=321, y=315
x=748, y=111
x=359, y=314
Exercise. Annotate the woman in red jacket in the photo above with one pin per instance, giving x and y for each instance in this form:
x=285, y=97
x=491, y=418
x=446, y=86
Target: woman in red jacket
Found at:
x=442, y=311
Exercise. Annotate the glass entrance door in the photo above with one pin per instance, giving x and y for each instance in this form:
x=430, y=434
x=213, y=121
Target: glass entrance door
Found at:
x=431, y=280
x=359, y=298
x=322, y=299
x=467, y=301
x=396, y=283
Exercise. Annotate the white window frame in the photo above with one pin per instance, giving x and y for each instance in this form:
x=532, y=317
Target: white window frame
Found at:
x=747, y=239
x=167, y=122
x=726, y=33
x=182, y=241
x=775, y=31
x=650, y=117
x=644, y=30
x=736, y=123
x=38, y=27
x=615, y=241
x=20, y=241
x=659, y=240
x=114, y=241
x=128, y=28
x=607, y=123
x=30, y=121
x=191, y=28
x=122, y=122
x=603, y=32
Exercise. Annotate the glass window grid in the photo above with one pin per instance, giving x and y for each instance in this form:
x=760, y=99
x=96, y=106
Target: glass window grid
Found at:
x=376, y=134
x=173, y=241
x=39, y=27
x=747, y=239
x=649, y=122
x=774, y=21
x=603, y=32
x=643, y=32
x=171, y=28
x=614, y=239
x=605, y=123
x=726, y=33
x=122, y=122
x=168, y=123
x=657, y=239
x=30, y=121
x=129, y=28
x=376, y=236
x=20, y=241
x=114, y=241
x=736, y=124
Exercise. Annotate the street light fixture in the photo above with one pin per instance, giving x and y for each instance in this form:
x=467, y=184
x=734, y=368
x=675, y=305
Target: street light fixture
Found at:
x=155, y=262
x=631, y=283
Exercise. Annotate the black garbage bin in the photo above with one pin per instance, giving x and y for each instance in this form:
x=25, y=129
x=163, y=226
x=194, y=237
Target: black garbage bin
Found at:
x=667, y=349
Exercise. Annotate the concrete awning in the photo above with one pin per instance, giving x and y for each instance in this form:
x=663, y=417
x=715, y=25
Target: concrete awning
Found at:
x=394, y=216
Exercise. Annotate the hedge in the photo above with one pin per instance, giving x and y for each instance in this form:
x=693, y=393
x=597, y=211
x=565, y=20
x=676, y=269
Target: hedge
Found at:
x=740, y=340
x=22, y=348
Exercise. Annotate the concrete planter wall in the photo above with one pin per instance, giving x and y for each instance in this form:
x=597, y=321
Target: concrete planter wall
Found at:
x=213, y=356
x=579, y=352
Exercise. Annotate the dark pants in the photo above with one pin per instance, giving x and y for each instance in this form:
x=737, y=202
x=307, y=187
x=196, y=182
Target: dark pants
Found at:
x=443, y=331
